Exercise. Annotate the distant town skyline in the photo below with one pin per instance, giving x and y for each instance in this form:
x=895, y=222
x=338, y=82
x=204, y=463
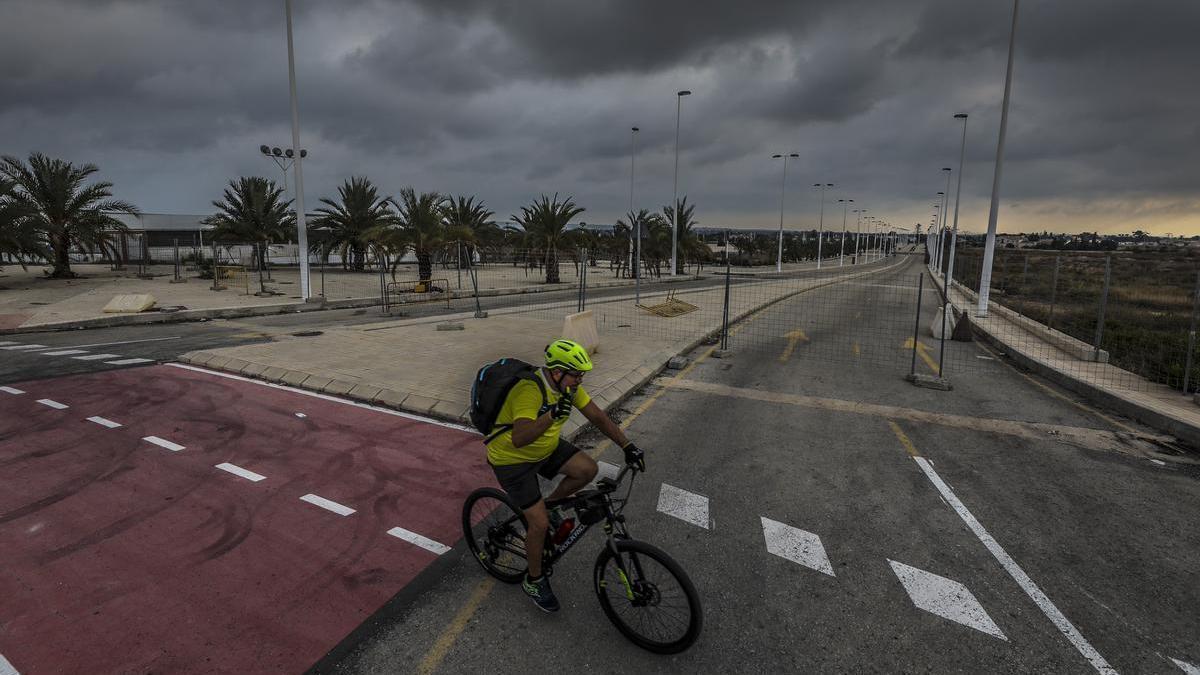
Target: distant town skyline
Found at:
x=510, y=100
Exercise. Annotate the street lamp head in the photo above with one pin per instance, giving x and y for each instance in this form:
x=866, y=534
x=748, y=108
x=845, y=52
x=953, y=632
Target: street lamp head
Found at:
x=277, y=152
x=635, y=129
x=945, y=168
x=776, y=156
x=288, y=153
x=829, y=185
x=794, y=155
x=683, y=92
x=303, y=153
x=960, y=116
x=264, y=149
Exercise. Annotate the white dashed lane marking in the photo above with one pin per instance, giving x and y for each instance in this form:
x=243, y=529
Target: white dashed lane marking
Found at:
x=64, y=352
x=163, y=443
x=327, y=504
x=945, y=598
x=239, y=471
x=7, y=668
x=18, y=347
x=424, y=542
x=104, y=422
x=686, y=506
x=96, y=357
x=128, y=362
x=8, y=342
x=1187, y=667
x=801, y=547
x=53, y=404
x=11, y=390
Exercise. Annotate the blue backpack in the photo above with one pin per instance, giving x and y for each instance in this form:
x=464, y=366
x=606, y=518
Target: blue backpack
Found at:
x=490, y=389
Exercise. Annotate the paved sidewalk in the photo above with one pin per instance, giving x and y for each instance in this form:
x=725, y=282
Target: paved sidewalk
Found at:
x=1153, y=404
x=412, y=366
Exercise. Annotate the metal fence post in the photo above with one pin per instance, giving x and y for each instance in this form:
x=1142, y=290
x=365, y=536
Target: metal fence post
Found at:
x=917, y=326
x=216, y=272
x=725, y=310
x=583, y=280
x=1025, y=272
x=458, y=262
x=178, y=278
x=1054, y=290
x=1191, y=343
x=942, y=334
x=321, y=265
x=1103, y=303
x=383, y=294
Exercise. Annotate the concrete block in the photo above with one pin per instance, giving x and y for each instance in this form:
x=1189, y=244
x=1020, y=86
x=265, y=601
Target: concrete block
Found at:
x=390, y=398
x=130, y=303
x=338, y=387
x=676, y=363
x=451, y=325
x=253, y=369
x=415, y=403
x=217, y=362
x=581, y=328
x=365, y=392
x=935, y=328
x=930, y=382
x=294, y=378
x=316, y=382
x=273, y=374
x=722, y=353
x=196, y=358
x=449, y=410
x=235, y=365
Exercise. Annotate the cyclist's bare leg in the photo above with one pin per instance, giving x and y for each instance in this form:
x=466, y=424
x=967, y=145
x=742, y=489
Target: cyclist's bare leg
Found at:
x=537, y=522
x=579, y=470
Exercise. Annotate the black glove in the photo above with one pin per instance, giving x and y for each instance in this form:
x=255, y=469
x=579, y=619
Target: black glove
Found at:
x=634, y=457
x=563, y=408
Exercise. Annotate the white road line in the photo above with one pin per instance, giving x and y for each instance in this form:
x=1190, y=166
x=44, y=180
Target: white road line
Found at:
x=7, y=668
x=801, y=547
x=946, y=598
x=128, y=362
x=1183, y=665
x=96, y=357
x=422, y=541
x=163, y=443
x=239, y=471
x=325, y=397
x=1031, y=589
x=128, y=342
x=686, y=506
x=327, y=504
x=64, y=352
x=53, y=404
x=16, y=347
x=104, y=422
x=11, y=390
x=8, y=342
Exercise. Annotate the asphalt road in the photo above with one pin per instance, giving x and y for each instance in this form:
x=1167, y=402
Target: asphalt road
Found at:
x=1000, y=527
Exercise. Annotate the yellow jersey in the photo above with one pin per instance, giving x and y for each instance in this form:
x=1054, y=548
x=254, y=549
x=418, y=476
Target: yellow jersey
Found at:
x=525, y=402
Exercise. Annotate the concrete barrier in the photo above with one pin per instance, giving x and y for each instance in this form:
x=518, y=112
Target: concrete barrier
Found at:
x=130, y=303
x=581, y=328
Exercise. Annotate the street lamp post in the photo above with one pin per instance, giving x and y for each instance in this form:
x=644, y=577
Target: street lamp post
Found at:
x=989, y=248
x=945, y=214
x=301, y=225
x=962, y=156
x=858, y=235
x=937, y=222
x=782, y=192
x=675, y=192
x=842, y=252
x=633, y=153
x=821, y=226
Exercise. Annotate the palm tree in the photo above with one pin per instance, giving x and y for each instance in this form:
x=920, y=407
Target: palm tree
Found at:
x=63, y=210
x=545, y=223
x=344, y=226
x=469, y=222
x=19, y=239
x=629, y=227
x=252, y=211
x=687, y=241
x=419, y=228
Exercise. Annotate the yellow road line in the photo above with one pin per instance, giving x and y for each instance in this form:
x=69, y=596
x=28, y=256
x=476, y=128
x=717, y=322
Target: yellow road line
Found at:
x=908, y=445
x=856, y=349
x=440, y=648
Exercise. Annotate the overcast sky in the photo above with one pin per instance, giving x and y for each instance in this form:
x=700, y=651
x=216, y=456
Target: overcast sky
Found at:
x=510, y=99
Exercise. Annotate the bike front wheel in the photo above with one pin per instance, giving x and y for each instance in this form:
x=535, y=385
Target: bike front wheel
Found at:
x=648, y=597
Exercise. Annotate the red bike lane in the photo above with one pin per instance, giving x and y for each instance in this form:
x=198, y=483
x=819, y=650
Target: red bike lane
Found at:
x=127, y=554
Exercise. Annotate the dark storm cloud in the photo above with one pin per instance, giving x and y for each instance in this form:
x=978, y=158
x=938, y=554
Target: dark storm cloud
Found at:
x=509, y=99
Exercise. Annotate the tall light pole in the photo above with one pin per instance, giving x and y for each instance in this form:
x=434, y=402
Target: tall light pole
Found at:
x=301, y=226
x=633, y=153
x=937, y=222
x=858, y=235
x=821, y=226
x=962, y=156
x=842, y=252
x=945, y=217
x=782, y=192
x=675, y=192
x=989, y=248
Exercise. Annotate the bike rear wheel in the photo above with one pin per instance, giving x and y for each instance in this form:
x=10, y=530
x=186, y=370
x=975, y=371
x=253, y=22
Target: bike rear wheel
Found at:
x=648, y=597
x=494, y=528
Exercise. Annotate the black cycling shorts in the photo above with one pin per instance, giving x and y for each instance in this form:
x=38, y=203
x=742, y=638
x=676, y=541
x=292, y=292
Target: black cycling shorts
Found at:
x=520, y=480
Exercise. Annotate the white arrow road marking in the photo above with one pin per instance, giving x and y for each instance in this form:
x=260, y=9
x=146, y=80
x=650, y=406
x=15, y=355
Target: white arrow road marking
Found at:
x=426, y=543
x=239, y=471
x=946, y=598
x=11, y=390
x=53, y=404
x=327, y=504
x=163, y=443
x=801, y=547
x=686, y=506
x=1183, y=665
x=104, y=422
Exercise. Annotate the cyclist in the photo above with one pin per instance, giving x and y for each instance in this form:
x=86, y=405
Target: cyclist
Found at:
x=533, y=446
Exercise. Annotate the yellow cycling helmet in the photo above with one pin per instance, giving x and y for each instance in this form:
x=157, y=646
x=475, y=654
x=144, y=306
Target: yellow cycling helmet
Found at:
x=569, y=355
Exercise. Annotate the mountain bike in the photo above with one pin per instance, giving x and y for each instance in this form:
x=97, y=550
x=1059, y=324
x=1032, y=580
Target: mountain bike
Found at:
x=645, y=593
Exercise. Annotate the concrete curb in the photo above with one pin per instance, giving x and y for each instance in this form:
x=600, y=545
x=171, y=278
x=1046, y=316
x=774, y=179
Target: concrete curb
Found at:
x=1113, y=400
